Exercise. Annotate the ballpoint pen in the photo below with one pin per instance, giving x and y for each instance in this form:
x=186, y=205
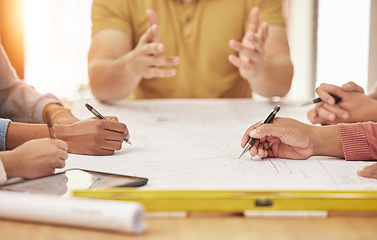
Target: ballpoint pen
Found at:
x=99, y=116
x=317, y=100
x=50, y=125
x=252, y=141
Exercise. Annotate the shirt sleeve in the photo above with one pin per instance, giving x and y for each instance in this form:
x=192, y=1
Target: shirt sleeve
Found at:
x=3, y=174
x=110, y=14
x=270, y=11
x=4, y=124
x=359, y=140
x=20, y=101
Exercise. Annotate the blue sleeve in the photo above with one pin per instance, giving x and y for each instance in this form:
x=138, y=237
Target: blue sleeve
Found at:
x=4, y=123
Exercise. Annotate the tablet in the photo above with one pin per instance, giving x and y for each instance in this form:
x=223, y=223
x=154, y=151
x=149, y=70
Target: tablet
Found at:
x=73, y=179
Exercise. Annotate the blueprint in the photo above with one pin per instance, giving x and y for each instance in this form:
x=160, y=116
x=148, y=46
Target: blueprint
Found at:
x=195, y=144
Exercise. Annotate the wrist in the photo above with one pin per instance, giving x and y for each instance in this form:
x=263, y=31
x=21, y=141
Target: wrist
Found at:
x=62, y=132
x=326, y=141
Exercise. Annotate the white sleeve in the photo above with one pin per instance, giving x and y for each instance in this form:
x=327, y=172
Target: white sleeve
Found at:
x=3, y=174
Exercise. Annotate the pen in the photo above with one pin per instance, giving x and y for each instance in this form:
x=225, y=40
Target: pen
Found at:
x=317, y=100
x=50, y=125
x=99, y=116
x=252, y=141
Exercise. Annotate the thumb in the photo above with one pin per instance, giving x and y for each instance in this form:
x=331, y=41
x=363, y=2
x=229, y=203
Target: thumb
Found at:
x=267, y=130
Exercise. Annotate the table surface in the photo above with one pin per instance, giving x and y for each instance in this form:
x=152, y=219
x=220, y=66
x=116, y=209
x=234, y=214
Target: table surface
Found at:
x=211, y=227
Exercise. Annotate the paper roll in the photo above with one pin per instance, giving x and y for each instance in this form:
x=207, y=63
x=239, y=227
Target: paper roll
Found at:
x=80, y=212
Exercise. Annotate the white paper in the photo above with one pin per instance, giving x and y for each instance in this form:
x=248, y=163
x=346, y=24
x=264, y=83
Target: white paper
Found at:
x=91, y=213
x=195, y=144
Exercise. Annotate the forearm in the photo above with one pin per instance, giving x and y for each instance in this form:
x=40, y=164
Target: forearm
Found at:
x=275, y=78
x=327, y=141
x=112, y=79
x=19, y=133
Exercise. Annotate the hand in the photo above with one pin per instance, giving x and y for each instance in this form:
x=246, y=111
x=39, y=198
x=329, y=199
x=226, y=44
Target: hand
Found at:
x=144, y=60
x=368, y=171
x=251, y=51
x=284, y=138
x=35, y=158
x=354, y=107
x=93, y=136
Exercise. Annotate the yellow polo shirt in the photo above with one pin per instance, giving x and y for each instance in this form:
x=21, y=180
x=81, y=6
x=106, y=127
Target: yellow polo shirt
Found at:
x=197, y=31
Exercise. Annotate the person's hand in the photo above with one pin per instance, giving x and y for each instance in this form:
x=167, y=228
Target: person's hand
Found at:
x=35, y=158
x=354, y=107
x=368, y=171
x=250, y=61
x=284, y=138
x=93, y=136
x=145, y=61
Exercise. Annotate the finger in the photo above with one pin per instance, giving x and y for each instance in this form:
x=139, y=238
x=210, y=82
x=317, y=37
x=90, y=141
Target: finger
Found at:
x=352, y=87
x=112, y=118
x=152, y=35
x=104, y=152
x=152, y=17
x=254, y=149
x=369, y=171
x=63, y=155
x=339, y=112
x=152, y=49
x=149, y=35
x=264, y=32
x=312, y=115
x=153, y=20
x=236, y=61
x=257, y=43
x=60, y=164
x=60, y=144
x=250, y=53
x=163, y=61
x=114, y=127
x=324, y=91
x=153, y=72
x=254, y=20
x=246, y=136
x=111, y=145
x=326, y=114
x=261, y=151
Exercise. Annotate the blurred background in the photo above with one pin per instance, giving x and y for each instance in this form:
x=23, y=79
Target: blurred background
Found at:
x=332, y=41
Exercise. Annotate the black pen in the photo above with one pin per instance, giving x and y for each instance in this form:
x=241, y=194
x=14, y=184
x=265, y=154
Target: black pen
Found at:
x=317, y=100
x=99, y=116
x=50, y=125
x=252, y=141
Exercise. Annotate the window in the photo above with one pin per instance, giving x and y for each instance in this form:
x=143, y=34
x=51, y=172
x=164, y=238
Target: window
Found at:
x=57, y=40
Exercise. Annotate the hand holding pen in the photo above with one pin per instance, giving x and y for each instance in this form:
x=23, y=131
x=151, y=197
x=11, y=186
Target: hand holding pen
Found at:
x=352, y=105
x=100, y=116
x=252, y=141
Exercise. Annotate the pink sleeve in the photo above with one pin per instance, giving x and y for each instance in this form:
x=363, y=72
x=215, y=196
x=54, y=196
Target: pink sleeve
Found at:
x=359, y=140
x=20, y=101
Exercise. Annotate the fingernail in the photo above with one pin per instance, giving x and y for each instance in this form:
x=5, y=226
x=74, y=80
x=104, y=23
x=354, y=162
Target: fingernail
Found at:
x=172, y=72
x=176, y=60
x=160, y=48
x=345, y=115
x=332, y=116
